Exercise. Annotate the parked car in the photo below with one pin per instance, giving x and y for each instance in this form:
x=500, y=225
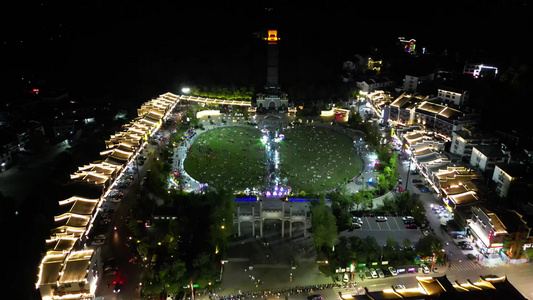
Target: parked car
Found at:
x=399, y=287
x=98, y=242
x=357, y=220
x=411, y=226
x=425, y=268
x=408, y=219
x=462, y=243
x=100, y=237
x=467, y=247
x=393, y=271
x=111, y=263
x=345, y=278
x=381, y=219
x=380, y=273
x=110, y=271
x=356, y=225
x=417, y=181
x=373, y=273
x=314, y=297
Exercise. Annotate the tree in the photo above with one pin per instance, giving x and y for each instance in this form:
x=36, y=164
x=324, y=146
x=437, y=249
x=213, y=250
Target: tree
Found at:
x=151, y=285
x=371, y=247
x=341, y=206
x=357, y=199
x=514, y=243
x=323, y=224
x=204, y=269
x=172, y=277
x=529, y=253
x=428, y=245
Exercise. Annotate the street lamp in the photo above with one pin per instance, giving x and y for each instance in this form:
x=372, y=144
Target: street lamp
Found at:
x=185, y=90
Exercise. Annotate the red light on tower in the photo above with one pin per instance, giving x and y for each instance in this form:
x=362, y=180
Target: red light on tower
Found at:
x=272, y=37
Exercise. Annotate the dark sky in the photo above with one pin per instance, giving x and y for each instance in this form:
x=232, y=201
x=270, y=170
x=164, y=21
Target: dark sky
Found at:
x=119, y=45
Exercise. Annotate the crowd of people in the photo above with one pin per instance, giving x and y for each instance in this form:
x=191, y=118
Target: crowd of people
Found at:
x=315, y=156
x=282, y=293
x=220, y=165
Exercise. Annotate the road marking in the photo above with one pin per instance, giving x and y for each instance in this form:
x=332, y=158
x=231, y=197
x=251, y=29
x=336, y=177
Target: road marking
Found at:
x=397, y=223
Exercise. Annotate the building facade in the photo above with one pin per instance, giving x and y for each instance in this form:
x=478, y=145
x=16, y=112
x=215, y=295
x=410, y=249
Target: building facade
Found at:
x=452, y=96
x=511, y=177
x=485, y=158
x=486, y=230
x=464, y=140
x=411, y=82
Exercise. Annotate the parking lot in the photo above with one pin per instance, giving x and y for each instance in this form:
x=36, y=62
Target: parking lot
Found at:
x=381, y=230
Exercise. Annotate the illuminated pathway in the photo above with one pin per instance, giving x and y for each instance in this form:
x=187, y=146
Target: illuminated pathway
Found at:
x=273, y=188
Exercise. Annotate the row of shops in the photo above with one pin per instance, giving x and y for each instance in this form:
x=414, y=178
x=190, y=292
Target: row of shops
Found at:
x=453, y=183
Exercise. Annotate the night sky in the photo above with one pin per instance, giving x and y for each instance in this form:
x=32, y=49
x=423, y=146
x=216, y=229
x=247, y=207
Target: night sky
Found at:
x=140, y=49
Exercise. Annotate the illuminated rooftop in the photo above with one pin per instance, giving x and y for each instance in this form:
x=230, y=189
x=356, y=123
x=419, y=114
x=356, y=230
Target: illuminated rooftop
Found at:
x=51, y=266
x=67, y=231
x=72, y=220
x=433, y=158
x=215, y=101
x=467, y=197
x=431, y=285
x=60, y=244
x=79, y=205
x=76, y=266
x=430, y=107
x=497, y=224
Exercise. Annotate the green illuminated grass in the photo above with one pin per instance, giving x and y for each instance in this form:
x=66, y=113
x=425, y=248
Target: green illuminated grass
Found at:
x=312, y=159
x=231, y=157
x=315, y=158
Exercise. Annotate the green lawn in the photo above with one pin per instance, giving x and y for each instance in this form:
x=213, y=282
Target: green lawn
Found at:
x=312, y=158
x=315, y=158
x=231, y=157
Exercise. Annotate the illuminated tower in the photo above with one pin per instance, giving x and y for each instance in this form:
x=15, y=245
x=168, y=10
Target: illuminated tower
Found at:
x=273, y=98
x=272, y=59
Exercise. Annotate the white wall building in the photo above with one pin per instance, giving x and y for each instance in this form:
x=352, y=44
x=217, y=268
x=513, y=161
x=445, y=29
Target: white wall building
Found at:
x=411, y=82
x=451, y=95
x=464, y=140
x=486, y=157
